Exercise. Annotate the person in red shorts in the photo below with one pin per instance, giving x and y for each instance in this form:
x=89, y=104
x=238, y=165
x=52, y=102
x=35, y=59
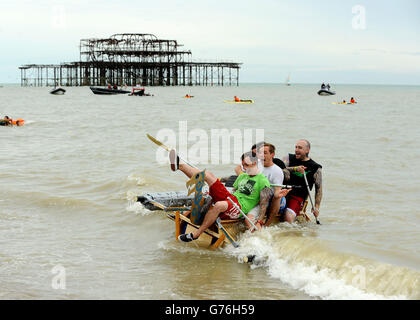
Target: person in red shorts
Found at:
x=247, y=195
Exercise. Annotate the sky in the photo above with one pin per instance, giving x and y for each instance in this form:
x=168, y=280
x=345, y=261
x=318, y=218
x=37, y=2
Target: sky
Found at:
x=346, y=41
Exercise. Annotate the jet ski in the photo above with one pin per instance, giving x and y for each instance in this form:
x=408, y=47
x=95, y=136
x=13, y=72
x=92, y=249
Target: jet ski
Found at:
x=325, y=92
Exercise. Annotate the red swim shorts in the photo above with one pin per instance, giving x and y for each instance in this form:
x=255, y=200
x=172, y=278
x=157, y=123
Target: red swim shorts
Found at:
x=295, y=204
x=219, y=193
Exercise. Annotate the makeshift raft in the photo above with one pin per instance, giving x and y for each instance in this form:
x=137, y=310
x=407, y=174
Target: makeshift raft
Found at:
x=187, y=211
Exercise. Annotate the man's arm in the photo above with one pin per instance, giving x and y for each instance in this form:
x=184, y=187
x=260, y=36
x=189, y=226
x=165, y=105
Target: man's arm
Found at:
x=318, y=189
x=300, y=169
x=286, y=175
x=265, y=195
x=238, y=170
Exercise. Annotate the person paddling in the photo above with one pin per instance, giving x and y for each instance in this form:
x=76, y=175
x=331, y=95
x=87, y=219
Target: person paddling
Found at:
x=300, y=164
x=236, y=99
x=6, y=121
x=352, y=100
x=247, y=196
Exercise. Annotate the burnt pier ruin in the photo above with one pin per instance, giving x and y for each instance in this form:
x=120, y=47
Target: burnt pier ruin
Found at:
x=131, y=59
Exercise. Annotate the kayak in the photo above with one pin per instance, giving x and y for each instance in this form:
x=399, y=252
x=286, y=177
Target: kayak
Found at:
x=242, y=101
x=343, y=102
x=17, y=122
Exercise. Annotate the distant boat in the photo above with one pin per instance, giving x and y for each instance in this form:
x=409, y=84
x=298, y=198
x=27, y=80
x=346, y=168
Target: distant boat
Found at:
x=325, y=92
x=288, y=80
x=107, y=91
x=58, y=91
x=137, y=92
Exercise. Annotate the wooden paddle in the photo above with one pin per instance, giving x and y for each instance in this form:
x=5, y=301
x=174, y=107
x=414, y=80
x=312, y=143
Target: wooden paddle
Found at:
x=230, y=238
x=160, y=144
x=245, y=216
x=310, y=198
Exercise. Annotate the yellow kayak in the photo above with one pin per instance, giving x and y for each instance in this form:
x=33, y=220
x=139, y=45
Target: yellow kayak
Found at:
x=242, y=101
x=343, y=103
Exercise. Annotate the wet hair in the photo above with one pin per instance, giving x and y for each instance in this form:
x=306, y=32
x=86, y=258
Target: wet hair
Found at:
x=6, y=117
x=251, y=155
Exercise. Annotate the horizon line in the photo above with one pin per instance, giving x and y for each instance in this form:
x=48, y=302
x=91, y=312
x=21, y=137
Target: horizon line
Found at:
x=281, y=83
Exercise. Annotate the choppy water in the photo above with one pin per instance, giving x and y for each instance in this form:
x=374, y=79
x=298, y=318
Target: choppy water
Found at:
x=68, y=177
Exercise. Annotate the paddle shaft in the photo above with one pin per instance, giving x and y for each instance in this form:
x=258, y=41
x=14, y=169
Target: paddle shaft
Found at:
x=284, y=186
x=160, y=144
x=233, y=242
x=310, y=198
x=249, y=220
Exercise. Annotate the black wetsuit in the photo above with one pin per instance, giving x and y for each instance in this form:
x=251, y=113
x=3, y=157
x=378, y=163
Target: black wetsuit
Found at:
x=279, y=163
x=296, y=178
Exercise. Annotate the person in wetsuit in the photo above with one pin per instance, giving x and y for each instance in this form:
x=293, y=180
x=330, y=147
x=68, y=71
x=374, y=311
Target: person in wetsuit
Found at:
x=299, y=164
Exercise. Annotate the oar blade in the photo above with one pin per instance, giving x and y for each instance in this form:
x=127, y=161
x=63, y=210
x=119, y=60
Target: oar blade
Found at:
x=160, y=144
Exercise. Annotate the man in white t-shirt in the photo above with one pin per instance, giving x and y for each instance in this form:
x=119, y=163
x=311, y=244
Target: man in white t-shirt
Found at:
x=274, y=174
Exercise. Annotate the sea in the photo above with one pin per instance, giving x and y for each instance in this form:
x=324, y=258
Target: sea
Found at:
x=70, y=226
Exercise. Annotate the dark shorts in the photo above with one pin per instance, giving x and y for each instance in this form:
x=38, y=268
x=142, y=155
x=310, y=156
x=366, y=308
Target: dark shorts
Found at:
x=219, y=193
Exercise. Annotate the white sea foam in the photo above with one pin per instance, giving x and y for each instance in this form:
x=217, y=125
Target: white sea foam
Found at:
x=137, y=208
x=140, y=181
x=291, y=268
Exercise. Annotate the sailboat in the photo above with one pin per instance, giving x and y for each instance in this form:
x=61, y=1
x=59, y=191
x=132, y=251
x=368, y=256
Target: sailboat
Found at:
x=288, y=80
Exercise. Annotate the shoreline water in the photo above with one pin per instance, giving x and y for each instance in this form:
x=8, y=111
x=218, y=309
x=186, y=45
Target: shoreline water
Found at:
x=68, y=173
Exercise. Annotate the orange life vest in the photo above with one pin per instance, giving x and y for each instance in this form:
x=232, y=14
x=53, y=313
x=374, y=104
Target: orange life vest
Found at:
x=18, y=122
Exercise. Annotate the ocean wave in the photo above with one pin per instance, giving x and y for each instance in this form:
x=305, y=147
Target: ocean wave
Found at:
x=309, y=265
x=137, y=208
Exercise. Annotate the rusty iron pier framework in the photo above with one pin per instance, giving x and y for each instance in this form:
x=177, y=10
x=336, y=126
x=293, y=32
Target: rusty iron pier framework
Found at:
x=131, y=59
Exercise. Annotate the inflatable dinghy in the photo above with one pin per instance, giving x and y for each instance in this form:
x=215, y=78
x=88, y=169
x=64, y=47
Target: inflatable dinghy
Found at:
x=325, y=92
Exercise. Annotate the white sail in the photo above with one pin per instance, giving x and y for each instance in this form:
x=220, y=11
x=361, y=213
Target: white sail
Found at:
x=288, y=80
